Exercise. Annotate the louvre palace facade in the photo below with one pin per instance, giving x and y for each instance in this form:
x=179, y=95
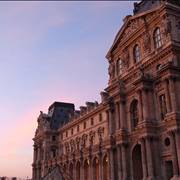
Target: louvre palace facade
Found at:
x=134, y=132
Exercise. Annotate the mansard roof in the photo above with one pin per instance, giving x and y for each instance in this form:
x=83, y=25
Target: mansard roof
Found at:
x=146, y=5
x=61, y=104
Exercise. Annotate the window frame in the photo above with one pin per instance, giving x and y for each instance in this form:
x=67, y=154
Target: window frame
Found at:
x=134, y=113
x=137, y=53
x=119, y=66
x=157, y=38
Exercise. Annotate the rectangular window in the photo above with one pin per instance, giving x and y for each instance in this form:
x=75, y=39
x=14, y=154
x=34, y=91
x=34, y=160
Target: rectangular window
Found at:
x=53, y=138
x=92, y=121
x=84, y=125
x=77, y=128
x=100, y=117
x=66, y=133
x=53, y=153
x=72, y=131
x=162, y=100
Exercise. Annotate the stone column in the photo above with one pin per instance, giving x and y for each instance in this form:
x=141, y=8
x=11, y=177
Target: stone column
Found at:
x=177, y=136
x=74, y=169
x=151, y=112
x=172, y=94
x=157, y=158
x=45, y=148
x=100, y=167
x=124, y=161
x=168, y=104
x=145, y=107
x=144, y=161
x=110, y=121
x=81, y=170
x=91, y=169
x=111, y=162
x=34, y=173
x=119, y=160
x=117, y=116
x=140, y=105
x=149, y=158
x=35, y=154
x=38, y=173
x=122, y=114
x=38, y=153
x=174, y=154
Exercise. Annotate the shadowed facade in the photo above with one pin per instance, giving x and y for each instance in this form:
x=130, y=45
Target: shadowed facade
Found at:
x=134, y=132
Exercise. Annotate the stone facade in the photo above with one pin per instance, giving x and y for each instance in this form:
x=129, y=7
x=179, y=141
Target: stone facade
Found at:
x=134, y=132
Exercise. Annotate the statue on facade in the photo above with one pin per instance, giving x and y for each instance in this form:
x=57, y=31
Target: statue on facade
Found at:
x=77, y=140
x=91, y=137
x=125, y=59
x=147, y=42
x=111, y=70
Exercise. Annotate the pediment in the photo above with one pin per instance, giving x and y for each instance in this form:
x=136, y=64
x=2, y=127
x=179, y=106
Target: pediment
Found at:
x=131, y=25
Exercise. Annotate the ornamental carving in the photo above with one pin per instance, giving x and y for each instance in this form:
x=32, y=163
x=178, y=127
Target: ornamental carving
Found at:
x=100, y=132
x=147, y=42
x=167, y=26
x=83, y=141
x=91, y=137
x=77, y=140
x=125, y=59
x=67, y=147
x=72, y=145
x=132, y=27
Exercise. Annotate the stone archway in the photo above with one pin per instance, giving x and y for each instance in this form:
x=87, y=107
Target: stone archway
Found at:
x=137, y=163
x=95, y=169
x=86, y=170
x=105, y=168
x=78, y=166
x=71, y=170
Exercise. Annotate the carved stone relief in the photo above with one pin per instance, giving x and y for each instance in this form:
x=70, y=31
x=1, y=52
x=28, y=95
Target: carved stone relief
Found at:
x=100, y=132
x=133, y=26
x=125, y=59
x=147, y=42
x=91, y=137
x=167, y=27
x=77, y=140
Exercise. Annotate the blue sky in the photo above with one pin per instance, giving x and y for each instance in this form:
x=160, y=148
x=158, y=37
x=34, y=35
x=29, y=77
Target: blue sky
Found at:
x=49, y=51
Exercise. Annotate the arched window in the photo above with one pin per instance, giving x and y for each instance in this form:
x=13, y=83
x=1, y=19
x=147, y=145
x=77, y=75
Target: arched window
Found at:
x=86, y=170
x=137, y=54
x=134, y=113
x=96, y=169
x=119, y=66
x=78, y=171
x=105, y=168
x=157, y=38
x=70, y=171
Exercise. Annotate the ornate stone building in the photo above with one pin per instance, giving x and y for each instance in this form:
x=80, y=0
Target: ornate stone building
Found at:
x=134, y=132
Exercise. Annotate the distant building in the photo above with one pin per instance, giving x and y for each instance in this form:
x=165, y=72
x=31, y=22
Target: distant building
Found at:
x=134, y=133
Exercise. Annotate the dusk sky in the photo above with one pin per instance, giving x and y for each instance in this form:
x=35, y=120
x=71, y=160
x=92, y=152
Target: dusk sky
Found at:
x=49, y=51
